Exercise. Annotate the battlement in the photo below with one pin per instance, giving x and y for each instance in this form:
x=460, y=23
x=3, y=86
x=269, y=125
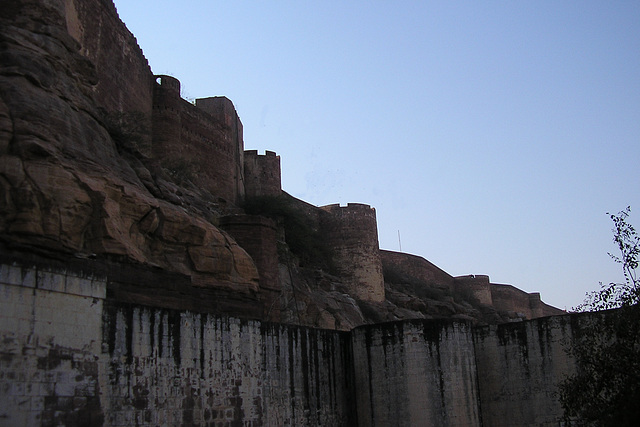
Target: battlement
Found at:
x=254, y=153
x=351, y=210
x=169, y=83
x=262, y=174
x=350, y=206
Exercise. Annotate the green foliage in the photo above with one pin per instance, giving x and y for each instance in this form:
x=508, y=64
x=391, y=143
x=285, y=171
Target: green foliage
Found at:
x=614, y=295
x=301, y=234
x=605, y=390
x=129, y=130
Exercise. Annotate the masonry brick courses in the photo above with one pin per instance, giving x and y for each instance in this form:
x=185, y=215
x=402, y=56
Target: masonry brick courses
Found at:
x=202, y=143
x=352, y=233
x=262, y=174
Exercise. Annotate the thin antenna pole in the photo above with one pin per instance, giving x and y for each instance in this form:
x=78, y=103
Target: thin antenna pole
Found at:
x=399, y=242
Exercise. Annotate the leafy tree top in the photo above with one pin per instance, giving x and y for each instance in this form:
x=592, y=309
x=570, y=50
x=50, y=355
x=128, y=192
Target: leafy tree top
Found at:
x=627, y=293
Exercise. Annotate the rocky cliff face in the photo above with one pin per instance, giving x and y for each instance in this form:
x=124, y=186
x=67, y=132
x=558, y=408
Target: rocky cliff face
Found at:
x=68, y=187
x=83, y=179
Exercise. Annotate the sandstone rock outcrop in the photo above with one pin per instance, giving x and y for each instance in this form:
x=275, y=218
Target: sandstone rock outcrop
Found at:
x=102, y=161
x=68, y=187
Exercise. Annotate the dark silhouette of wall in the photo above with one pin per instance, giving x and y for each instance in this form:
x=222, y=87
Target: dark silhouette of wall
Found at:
x=201, y=143
x=257, y=235
x=415, y=268
x=262, y=176
x=124, y=79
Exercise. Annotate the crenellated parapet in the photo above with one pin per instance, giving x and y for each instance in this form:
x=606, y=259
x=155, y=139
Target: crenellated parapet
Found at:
x=262, y=174
x=352, y=232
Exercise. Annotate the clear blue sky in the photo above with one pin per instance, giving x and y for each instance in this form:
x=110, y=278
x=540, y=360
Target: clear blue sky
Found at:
x=492, y=136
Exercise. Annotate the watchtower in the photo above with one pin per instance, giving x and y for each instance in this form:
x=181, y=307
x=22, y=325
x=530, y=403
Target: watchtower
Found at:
x=262, y=176
x=352, y=232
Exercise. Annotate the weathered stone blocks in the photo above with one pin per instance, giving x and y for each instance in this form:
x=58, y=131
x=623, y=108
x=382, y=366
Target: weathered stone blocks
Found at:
x=519, y=367
x=50, y=329
x=416, y=373
x=352, y=233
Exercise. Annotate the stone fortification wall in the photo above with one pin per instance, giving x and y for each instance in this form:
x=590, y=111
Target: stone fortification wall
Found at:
x=262, y=175
x=72, y=356
x=258, y=236
x=478, y=285
x=505, y=298
x=228, y=142
x=201, y=143
x=181, y=368
x=406, y=268
x=519, y=365
x=416, y=373
x=50, y=346
x=352, y=232
x=415, y=269
x=124, y=79
x=73, y=352
x=71, y=184
x=511, y=299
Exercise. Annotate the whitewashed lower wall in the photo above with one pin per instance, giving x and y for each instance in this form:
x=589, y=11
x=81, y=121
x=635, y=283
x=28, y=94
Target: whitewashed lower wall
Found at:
x=50, y=347
x=71, y=356
x=68, y=356
x=519, y=367
x=181, y=368
x=416, y=373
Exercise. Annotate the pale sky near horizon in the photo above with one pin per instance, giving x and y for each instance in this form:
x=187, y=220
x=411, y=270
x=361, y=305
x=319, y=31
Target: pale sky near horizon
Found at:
x=491, y=137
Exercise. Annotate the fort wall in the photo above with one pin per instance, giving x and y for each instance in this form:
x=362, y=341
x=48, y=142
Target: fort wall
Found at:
x=50, y=335
x=258, y=236
x=204, y=144
x=416, y=373
x=352, y=232
x=135, y=345
x=415, y=268
x=262, y=175
x=124, y=78
x=519, y=367
x=478, y=285
x=73, y=356
x=527, y=305
x=201, y=143
x=74, y=353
